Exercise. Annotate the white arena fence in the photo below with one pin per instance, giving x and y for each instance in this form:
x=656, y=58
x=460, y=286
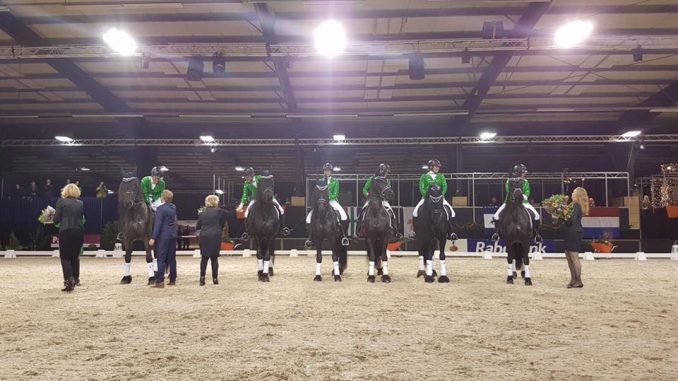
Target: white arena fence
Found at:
x=639, y=256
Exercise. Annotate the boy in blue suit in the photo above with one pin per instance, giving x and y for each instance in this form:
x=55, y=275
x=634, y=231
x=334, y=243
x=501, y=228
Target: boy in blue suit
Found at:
x=165, y=235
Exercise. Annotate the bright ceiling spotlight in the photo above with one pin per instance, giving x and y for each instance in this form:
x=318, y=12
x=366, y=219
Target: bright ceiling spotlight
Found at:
x=121, y=42
x=631, y=134
x=573, y=33
x=424, y=166
x=240, y=169
x=163, y=168
x=330, y=39
x=207, y=139
x=339, y=137
x=84, y=169
x=336, y=169
x=487, y=135
x=219, y=191
x=64, y=139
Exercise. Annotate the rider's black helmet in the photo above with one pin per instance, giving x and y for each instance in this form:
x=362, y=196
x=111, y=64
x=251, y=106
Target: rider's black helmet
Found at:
x=265, y=173
x=249, y=171
x=384, y=169
x=327, y=167
x=155, y=171
x=434, y=163
x=519, y=170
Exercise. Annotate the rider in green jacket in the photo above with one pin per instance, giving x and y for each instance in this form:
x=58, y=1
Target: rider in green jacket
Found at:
x=152, y=187
x=249, y=192
x=520, y=171
x=433, y=177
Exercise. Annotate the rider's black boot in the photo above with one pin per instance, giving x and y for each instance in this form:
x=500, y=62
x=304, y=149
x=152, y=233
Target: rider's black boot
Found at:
x=359, y=225
x=535, y=228
x=344, y=233
x=309, y=242
x=495, y=236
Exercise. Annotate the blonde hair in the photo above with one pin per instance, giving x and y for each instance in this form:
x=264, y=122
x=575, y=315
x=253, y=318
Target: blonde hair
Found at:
x=211, y=201
x=167, y=195
x=70, y=190
x=580, y=196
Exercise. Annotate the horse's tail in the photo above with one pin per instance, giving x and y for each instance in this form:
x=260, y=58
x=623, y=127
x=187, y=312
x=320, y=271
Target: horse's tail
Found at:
x=343, y=258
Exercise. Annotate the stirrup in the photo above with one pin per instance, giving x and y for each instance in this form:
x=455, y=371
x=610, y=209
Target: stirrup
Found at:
x=344, y=241
x=495, y=237
x=308, y=244
x=538, y=238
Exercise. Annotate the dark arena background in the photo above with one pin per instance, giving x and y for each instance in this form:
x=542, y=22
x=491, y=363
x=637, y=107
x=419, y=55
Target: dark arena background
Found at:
x=582, y=93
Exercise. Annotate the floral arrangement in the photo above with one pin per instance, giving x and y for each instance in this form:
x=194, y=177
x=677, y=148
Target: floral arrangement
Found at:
x=47, y=215
x=200, y=210
x=558, y=206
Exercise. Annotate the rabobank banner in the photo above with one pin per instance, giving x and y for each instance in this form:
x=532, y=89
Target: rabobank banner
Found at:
x=481, y=245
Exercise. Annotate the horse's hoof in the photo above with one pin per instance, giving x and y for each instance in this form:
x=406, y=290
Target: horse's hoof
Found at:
x=344, y=241
x=265, y=278
x=522, y=274
x=370, y=279
x=337, y=278
x=259, y=274
x=429, y=279
x=151, y=280
x=386, y=278
x=270, y=271
x=308, y=244
x=509, y=280
x=444, y=279
x=126, y=279
x=421, y=273
x=318, y=278
x=380, y=271
x=515, y=275
x=528, y=281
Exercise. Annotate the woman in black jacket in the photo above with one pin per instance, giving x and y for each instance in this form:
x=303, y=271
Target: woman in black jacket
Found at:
x=211, y=224
x=573, y=235
x=69, y=216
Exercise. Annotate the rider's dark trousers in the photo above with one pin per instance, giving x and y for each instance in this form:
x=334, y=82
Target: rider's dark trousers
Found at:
x=167, y=255
x=70, y=243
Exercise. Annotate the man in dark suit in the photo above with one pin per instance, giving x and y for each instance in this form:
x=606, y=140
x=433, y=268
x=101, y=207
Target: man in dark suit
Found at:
x=165, y=235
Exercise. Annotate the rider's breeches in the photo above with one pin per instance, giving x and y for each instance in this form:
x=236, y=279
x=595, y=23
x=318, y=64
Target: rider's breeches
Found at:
x=415, y=213
x=528, y=206
x=275, y=202
x=335, y=205
x=386, y=205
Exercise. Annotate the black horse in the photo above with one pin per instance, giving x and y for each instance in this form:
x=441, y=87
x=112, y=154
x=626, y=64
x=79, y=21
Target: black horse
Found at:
x=263, y=222
x=431, y=229
x=377, y=227
x=516, y=230
x=136, y=224
x=325, y=225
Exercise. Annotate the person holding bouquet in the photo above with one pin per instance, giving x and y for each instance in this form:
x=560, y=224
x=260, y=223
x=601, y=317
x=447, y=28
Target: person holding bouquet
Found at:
x=69, y=216
x=573, y=235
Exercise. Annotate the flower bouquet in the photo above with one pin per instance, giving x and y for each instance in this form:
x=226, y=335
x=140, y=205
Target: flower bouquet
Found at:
x=200, y=210
x=47, y=215
x=558, y=207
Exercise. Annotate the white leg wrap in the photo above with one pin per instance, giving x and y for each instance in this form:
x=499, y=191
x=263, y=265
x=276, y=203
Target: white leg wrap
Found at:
x=336, y=268
x=421, y=262
x=151, y=272
x=513, y=265
x=266, y=266
x=509, y=270
x=260, y=264
x=429, y=268
x=384, y=267
x=318, y=268
x=127, y=271
x=370, y=268
x=155, y=264
x=527, y=271
x=443, y=269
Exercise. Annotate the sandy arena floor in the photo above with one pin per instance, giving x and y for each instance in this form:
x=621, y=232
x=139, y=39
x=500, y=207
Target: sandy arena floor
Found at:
x=622, y=325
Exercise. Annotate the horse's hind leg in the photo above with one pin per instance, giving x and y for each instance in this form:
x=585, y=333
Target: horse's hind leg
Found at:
x=260, y=260
x=318, y=262
x=337, y=252
x=127, y=272
x=271, y=255
x=266, y=250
